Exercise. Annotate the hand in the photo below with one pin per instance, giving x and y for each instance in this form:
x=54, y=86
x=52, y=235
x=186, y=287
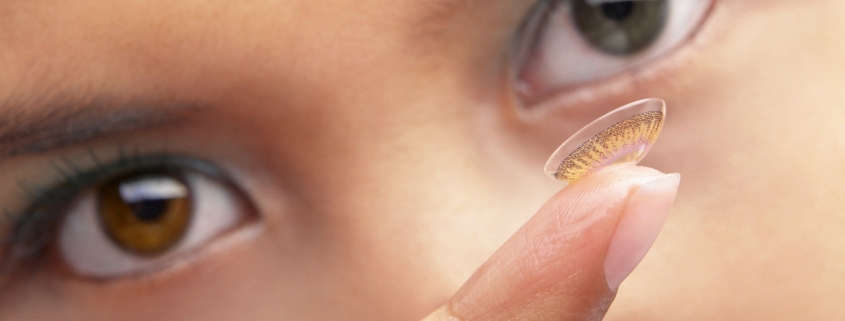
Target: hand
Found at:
x=567, y=262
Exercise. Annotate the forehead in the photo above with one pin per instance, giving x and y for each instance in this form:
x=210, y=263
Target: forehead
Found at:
x=297, y=75
x=129, y=46
x=84, y=42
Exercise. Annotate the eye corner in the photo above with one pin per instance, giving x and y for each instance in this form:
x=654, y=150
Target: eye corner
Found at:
x=69, y=251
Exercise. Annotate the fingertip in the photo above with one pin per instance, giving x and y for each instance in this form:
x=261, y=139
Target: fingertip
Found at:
x=554, y=265
x=645, y=213
x=594, y=194
x=441, y=314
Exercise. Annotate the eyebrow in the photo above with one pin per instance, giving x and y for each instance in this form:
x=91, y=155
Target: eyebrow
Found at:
x=30, y=129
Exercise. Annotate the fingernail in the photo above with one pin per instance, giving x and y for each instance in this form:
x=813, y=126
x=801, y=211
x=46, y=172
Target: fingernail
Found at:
x=646, y=211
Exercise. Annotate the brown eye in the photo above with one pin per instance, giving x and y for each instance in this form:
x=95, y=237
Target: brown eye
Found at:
x=145, y=214
x=154, y=214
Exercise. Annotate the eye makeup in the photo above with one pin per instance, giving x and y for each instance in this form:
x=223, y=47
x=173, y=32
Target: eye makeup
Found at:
x=623, y=136
x=30, y=230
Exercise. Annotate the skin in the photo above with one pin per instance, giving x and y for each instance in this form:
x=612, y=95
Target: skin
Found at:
x=387, y=159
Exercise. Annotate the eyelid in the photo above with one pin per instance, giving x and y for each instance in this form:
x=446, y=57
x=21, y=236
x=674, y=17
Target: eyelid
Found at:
x=89, y=252
x=32, y=229
x=633, y=81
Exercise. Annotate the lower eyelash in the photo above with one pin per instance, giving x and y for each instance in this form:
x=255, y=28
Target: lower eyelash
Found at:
x=32, y=230
x=657, y=73
x=634, y=81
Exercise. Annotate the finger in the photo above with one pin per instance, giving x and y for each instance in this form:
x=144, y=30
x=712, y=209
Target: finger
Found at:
x=567, y=261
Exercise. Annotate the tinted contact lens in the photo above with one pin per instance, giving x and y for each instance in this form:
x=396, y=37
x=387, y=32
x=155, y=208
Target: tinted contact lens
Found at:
x=624, y=135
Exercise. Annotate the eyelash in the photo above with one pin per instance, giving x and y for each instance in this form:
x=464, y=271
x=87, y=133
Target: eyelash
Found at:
x=637, y=79
x=32, y=230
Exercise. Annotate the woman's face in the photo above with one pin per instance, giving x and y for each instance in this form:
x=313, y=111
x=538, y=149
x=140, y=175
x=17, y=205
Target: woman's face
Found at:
x=358, y=160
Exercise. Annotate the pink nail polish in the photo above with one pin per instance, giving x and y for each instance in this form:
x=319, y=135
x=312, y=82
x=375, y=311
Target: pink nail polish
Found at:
x=646, y=211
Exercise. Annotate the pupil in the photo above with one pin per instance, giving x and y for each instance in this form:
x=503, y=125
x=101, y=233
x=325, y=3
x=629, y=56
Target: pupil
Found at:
x=149, y=211
x=620, y=27
x=617, y=10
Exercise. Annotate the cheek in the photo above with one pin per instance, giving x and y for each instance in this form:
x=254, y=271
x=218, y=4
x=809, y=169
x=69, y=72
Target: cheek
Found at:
x=760, y=119
x=228, y=281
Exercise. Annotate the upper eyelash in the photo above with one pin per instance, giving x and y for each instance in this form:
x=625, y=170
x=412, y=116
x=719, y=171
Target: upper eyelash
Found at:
x=33, y=229
x=640, y=79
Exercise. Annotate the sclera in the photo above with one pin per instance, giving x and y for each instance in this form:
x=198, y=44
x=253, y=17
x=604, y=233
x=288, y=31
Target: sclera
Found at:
x=624, y=135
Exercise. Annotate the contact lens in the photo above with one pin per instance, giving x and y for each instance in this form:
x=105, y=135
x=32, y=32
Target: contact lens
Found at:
x=624, y=135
